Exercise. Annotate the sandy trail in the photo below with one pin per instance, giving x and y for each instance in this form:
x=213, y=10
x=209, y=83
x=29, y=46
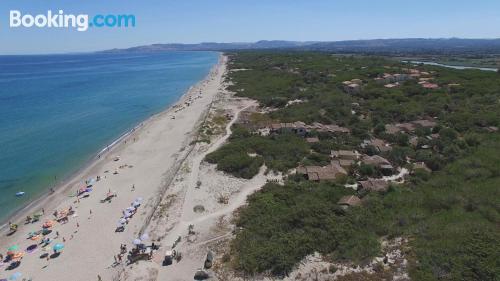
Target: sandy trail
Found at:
x=188, y=215
x=182, y=214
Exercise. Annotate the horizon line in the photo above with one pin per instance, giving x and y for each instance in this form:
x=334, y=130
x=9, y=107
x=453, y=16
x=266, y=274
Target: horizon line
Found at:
x=249, y=42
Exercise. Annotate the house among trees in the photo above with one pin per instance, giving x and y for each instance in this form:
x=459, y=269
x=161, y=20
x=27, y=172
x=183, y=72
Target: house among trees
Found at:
x=353, y=86
x=344, y=158
x=392, y=79
x=431, y=86
x=300, y=128
x=349, y=201
x=318, y=173
x=379, y=162
x=409, y=127
x=345, y=154
x=296, y=128
x=380, y=145
x=332, y=128
x=377, y=185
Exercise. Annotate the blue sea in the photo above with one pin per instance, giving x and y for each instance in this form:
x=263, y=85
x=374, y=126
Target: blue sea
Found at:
x=58, y=111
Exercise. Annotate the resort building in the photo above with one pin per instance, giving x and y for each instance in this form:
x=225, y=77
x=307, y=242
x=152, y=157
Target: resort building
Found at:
x=344, y=158
x=377, y=185
x=379, y=144
x=379, y=162
x=318, y=173
x=353, y=86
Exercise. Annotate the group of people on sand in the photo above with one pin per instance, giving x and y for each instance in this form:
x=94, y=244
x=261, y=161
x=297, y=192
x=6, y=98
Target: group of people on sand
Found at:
x=44, y=235
x=119, y=257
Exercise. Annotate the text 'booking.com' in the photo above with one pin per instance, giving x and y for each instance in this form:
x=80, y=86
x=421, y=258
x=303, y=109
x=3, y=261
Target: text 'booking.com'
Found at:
x=78, y=22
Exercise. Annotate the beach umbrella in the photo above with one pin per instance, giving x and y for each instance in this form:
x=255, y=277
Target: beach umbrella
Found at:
x=139, y=199
x=137, y=241
x=122, y=221
x=15, y=276
x=35, y=237
x=58, y=247
x=130, y=209
x=48, y=224
x=18, y=255
x=127, y=214
x=144, y=237
x=13, y=248
x=136, y=204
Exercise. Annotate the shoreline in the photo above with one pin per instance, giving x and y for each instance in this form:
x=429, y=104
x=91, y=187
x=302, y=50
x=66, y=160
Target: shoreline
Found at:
x=67, y=182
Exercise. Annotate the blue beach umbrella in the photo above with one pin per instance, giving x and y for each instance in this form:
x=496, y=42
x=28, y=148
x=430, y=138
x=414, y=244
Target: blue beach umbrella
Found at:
x=15, y=276
x=58, y=247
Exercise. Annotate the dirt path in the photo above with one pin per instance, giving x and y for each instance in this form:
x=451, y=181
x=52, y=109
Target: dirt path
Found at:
x=194, y=252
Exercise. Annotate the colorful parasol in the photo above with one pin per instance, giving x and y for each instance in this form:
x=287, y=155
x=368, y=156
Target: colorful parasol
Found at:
x=58, y=247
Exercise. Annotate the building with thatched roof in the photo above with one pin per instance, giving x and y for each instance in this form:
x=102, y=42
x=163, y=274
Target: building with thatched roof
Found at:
x=374, y=185
x=318, y=173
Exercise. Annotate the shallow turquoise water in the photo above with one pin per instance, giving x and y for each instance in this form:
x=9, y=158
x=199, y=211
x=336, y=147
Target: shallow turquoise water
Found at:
x=58, y=111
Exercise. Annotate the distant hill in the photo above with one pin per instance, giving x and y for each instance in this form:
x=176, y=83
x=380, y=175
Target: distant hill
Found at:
x=212, y=46
x=411, y=45
x=375, y=46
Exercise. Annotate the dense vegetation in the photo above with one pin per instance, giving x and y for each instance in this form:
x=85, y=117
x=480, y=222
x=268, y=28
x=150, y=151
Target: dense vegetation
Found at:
x=452, y=220
x=280, y=153
x=284, y=224
x=451, y=216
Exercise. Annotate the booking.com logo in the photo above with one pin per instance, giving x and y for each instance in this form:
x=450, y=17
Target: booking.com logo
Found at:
x=81, y=22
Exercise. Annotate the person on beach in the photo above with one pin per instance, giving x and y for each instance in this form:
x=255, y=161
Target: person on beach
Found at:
x=133, y=187
x=99, y=277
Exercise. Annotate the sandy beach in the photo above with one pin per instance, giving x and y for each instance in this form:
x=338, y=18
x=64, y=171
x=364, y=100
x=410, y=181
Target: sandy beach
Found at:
x=149, y=159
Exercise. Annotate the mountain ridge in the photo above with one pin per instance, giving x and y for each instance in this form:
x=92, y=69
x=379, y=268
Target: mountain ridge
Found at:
x=375, y=46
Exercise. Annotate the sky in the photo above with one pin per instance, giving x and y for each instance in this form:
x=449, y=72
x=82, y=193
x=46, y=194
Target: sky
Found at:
x=194, y=21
